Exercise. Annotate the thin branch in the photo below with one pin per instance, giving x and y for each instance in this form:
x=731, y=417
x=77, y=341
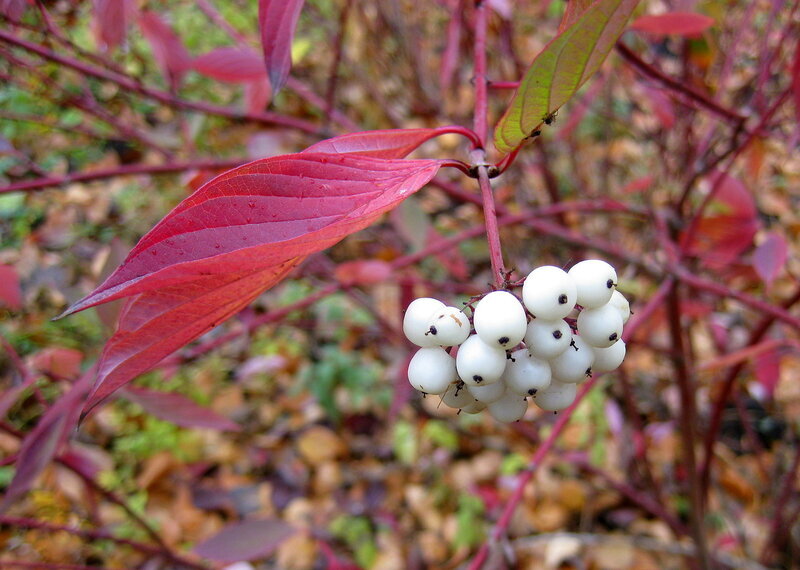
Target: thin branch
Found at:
x=127, y=170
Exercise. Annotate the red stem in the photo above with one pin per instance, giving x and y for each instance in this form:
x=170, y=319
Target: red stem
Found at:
x=128, y=170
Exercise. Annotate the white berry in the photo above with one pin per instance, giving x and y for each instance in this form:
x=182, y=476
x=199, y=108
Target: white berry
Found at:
x=432, y=370
x=547, y=339
x=574, y=364
x=488, y=393
x=609, y=358
x=595, y=281
x=557, y=396
x=510, y=408
x=449, y=326
x=600, y=327
x=415, y=321
x=478, y=363
x=549, y=292
x=619, y=301
x=525, y=374
x=500, y=320
x=474, y=408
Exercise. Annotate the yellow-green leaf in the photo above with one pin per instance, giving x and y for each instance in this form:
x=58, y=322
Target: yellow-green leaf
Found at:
x=565, y=64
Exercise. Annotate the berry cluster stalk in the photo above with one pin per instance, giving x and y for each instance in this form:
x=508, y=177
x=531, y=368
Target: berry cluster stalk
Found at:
x=480, y=122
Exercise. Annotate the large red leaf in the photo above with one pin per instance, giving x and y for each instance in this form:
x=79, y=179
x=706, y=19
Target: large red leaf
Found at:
x=245, y=540
x=260, y=215
x=237, y=65
x=390, y=143
x=178, y=409
x=278, y=20
x=688, y=24
x=168, y=49
x=237, y=235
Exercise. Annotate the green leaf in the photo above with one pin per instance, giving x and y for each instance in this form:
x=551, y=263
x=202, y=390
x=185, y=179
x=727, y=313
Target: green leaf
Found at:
x=565, y=64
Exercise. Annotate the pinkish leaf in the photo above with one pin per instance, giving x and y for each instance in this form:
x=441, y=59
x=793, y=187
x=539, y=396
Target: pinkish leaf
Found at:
x=245, y=540
x=168, y=49
x=110, y=20
x=10, y=291
x=733, y=194
x=661, y=106
x=233, y=64
x=43, y=443
x=390, y=143
x=178, y=409
x=13, y=9
x=58, y=361
x=257, y=95
x=277, y=20
x=687, y=24
x=362, y=272
x=770, y=257
x=720, y=240
x=768, y=370
x=639, y=185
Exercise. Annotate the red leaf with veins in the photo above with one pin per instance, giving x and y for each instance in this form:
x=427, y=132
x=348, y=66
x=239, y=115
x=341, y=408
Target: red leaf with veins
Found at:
x=237, y=235
x=278, y=20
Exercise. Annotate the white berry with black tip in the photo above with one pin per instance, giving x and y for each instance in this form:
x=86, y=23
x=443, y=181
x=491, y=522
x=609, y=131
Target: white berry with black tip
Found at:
x=547, y=339
x=609, y=358
x=525, y=374
x=478, y=363
x=449, y=326
x=457, y=396
x=510, y=408
x=432, y=370
x=619, y=301
x=557, y=396
x=500, y=320
x=595, y=281
x=488, y=393
x=600, y=327
x=549, y=292
x=574, y=364
x=416, y=321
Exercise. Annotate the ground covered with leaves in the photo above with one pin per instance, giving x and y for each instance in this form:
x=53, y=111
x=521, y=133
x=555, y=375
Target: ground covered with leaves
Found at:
x=289, y=437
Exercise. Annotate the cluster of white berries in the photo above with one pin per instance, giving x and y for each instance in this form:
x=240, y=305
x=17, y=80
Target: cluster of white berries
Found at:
x=567, y=327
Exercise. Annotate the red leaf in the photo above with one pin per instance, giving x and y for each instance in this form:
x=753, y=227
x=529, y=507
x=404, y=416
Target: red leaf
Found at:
x=638, y=185
x=260, y=215
x=768, y=371
x=734, y=195
x=10, y=291
x=257, y=95
x=687, y=24
x=661, y=106
x=236, y=236
x=245, y=540
x=157, y=323
x=178, y=409
x=362, y=272
x=43, y=443
x=13, y=9
x=720, y=240
x=233, y=64
x=390, y=143
x=168, y=49
x=278, y=20
x=58, y=361
x=769, y=258
x=110, y=22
